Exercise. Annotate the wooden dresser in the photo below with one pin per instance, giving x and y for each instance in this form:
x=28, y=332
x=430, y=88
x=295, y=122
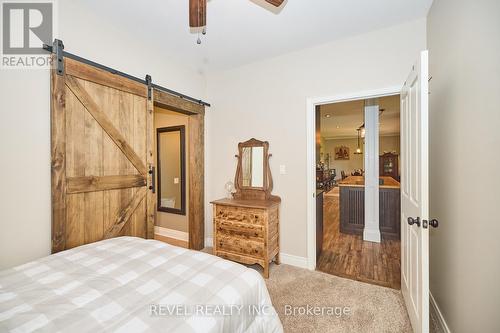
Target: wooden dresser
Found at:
x=247, y=231
x=246, y=225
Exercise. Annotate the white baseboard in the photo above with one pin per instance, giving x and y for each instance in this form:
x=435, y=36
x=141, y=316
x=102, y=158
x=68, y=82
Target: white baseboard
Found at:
x=292, y=260
x=171, y=233
x=435, y=308
x=209, y=242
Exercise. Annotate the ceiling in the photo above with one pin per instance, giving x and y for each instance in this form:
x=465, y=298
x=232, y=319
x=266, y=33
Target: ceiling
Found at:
x=346, y=117
x=245, y=31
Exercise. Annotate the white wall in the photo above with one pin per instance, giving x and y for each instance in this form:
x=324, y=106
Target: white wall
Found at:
x=267, y=100
x=388, y=144
x=355, y=161
x=25, y=125
x=464, y=51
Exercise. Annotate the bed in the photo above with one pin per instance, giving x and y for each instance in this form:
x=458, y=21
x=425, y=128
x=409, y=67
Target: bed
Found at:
x=129, y=284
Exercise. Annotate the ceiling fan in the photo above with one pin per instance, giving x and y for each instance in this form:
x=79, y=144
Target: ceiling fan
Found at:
x=198, y=12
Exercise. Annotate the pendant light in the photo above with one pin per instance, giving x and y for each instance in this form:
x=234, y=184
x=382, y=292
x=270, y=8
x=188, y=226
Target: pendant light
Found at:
x=363, y=131
x=358, y=150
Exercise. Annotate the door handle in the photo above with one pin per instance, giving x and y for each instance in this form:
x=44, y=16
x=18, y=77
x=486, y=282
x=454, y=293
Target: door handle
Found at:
x=152, y=187
x=412, y=221
x=433, y=223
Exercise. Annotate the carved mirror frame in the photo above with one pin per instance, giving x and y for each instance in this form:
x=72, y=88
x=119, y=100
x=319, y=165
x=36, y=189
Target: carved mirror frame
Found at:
x=254, y=193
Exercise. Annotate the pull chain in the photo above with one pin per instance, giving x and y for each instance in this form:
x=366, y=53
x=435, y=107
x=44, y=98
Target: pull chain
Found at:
x=204, y=31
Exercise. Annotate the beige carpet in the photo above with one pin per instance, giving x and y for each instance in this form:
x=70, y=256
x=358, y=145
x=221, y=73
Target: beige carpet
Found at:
x=373, y=308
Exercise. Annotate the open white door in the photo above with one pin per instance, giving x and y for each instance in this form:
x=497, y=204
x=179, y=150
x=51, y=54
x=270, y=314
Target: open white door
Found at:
x=415, y=195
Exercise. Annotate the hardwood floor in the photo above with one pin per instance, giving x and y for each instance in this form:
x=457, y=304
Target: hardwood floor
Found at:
x=350, y=257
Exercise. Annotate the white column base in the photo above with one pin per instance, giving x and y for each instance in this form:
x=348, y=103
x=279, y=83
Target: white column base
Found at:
x=371, y=235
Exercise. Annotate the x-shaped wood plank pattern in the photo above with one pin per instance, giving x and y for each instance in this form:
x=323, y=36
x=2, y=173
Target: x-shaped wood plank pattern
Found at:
x=101, y=183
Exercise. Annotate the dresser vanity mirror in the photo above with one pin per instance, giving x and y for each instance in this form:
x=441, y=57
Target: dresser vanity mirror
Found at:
x=253, y=180
x=252, y=167
x=246, y=227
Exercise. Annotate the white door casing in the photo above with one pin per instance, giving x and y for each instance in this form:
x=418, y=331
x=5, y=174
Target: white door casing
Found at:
x=312, y=102
x=415, y=194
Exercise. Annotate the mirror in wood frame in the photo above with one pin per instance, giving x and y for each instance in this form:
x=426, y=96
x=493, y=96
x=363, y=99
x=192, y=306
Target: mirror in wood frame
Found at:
x=171, y=150
x=253, y=178
x=252, y=164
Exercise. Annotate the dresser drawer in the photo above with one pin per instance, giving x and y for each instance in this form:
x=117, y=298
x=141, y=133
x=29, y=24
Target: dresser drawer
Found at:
x=240, y=245
x=240, y=215
x=232, y=228
x=247, y=231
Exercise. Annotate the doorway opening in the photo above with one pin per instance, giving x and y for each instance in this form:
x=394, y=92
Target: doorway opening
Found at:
x=172, y=191
x=179, y=175
x=358, y=190
x=414, y=200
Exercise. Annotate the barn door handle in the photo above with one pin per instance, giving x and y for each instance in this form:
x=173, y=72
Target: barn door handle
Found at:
x=412, y=221
x=152, y=187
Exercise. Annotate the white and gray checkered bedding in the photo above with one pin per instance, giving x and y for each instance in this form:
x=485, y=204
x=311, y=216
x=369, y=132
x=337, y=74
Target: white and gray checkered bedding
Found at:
x=129, y=284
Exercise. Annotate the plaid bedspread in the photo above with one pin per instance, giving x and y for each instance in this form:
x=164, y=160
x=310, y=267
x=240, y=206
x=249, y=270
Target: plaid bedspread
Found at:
x=129, y=284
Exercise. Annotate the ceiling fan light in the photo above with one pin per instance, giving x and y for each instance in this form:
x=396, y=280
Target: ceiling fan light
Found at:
x=197, y=13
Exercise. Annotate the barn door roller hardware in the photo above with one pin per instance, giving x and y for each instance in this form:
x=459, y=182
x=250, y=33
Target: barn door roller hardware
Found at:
x=150, y=87
x=58, y=49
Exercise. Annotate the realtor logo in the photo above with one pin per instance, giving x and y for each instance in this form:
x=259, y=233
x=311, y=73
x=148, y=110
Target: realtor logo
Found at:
x=26, y=26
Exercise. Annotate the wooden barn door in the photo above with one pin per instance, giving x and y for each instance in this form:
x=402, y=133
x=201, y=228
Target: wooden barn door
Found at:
x=102, y=136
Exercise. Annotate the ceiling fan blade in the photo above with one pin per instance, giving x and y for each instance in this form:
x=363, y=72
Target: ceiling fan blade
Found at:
x=275, y=3
x=197, y=13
